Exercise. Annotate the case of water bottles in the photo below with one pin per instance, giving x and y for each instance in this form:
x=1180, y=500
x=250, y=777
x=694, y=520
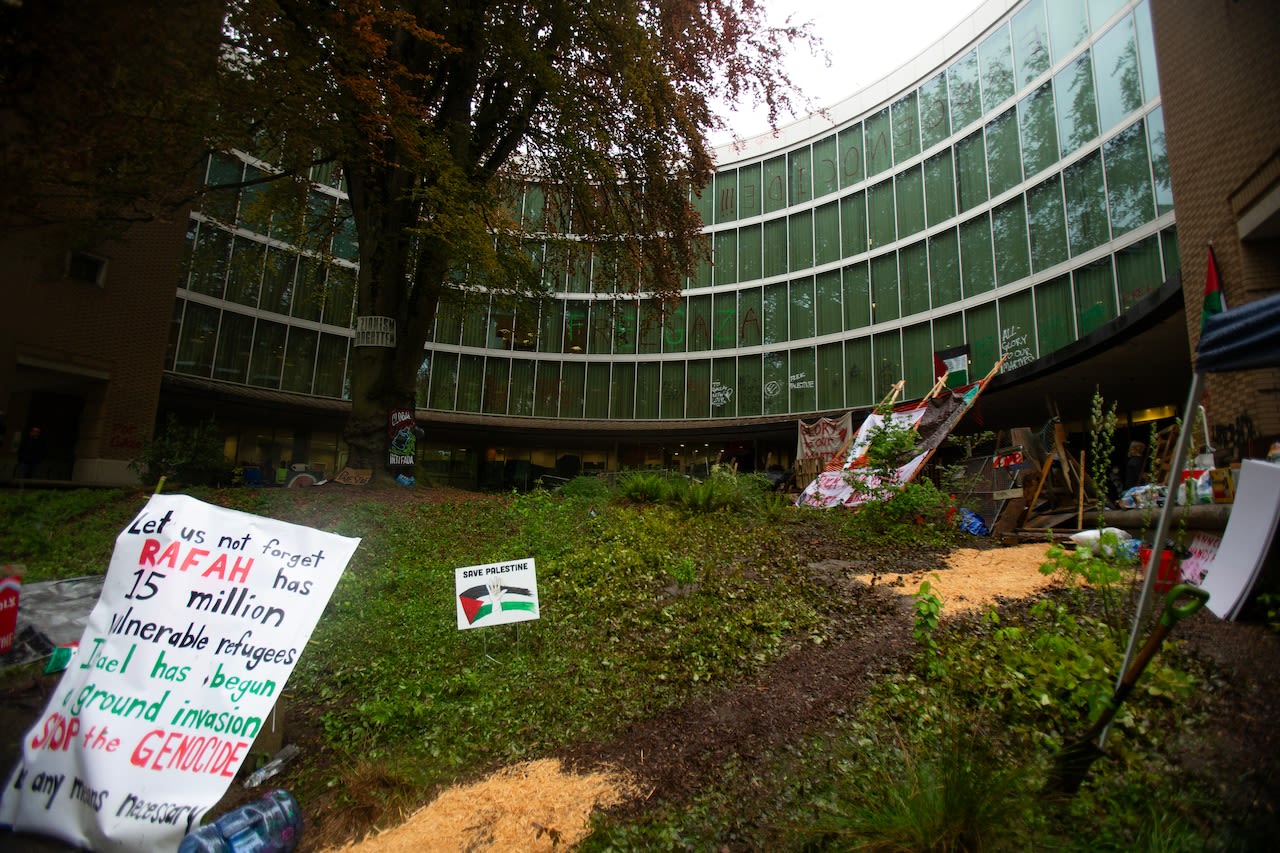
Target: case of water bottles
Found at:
x=270, y=824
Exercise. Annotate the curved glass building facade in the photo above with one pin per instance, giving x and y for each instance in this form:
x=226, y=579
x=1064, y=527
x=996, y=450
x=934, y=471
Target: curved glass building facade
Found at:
x=1006, y=191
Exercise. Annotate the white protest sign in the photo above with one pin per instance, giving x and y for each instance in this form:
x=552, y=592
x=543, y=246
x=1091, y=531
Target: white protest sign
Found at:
x=496, y=593
x=203, y=614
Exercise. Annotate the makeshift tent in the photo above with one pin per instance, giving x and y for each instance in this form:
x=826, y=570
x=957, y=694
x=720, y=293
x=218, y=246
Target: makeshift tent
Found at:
x=1243, y=338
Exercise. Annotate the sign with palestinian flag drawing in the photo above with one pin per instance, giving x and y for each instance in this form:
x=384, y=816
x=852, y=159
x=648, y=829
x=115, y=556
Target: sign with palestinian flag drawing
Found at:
x=496, y=593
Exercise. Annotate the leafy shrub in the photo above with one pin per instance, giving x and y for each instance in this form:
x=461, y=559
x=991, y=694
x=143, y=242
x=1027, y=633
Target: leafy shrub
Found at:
x=188, y=453
x=586, y=487
x=646, y=487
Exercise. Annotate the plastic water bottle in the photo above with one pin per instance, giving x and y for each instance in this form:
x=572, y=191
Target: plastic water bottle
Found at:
x=272, y=824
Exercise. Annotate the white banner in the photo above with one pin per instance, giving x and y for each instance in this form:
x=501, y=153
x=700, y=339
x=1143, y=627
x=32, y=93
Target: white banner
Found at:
x=496, y=593
x=203, y=614
x=824, y=437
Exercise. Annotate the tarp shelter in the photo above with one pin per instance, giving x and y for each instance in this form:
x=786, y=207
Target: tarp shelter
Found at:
x=1243, y=338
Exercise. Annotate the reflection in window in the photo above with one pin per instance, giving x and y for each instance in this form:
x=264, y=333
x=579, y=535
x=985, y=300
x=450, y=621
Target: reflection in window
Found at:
x=1129, y=179
x=1039, y=130
x=1086, y=199
x=1077, y=108
x=1115, y=58
x=1030, y=42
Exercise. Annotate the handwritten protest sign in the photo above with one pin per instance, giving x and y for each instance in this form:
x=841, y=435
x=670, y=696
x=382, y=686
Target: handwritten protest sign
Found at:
x=203, y=614
x=496, y=593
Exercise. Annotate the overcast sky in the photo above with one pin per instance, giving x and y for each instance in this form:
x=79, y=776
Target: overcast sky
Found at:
x=865, y=41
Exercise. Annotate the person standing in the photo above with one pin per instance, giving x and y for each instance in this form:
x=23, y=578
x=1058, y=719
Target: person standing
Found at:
x=31, y=453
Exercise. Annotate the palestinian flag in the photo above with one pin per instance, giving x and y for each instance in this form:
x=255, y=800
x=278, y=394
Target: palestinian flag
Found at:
x=477, y=602
x=1214, y=300
x=954, y=363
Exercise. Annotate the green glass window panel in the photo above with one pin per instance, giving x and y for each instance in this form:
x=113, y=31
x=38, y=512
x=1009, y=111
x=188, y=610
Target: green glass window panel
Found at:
x=1115, y=58
x=750, y=393
x=268, y=354
x=470, y=383
x=965, y=90
x=521, y=387
x=339, y=306
x=704, y=202
x=698, y=389
x=700, y=323
x=984, y=338
x=1160, y=161
x=775, y=313
x=1138, y=271
x=475, y=323
x=886, y=350
x=1146, y=51
x=1055, y=314
x=802, y=311
x=939, y=187
x=935, y=116
x=1129, y=189
x=826, y=166
x=675, y=326
x=971, y=171
x=909, y=192
x=497, y=379
x=224, y=170
x=726, y=195
x=1100, y=11
x=444, y=381
x=1039, y=130
x=857, y=297
x=625, y=327
x=1047, y=223
x=905, y=115
x=550, y=325
x=546, y=389
x=977, y=264
x=750, y=318
x=913, y=267
x=300, y=360
x=879, y=143
x=309, y=301
x=1009, y=234
x=345, y=244
x=800, y=167
x=449, y=319
x=859, y=373
x=853, y=224
x=209, y=261
x=601, y=321
x=917, y=354
x=573, y=376
x=279, y=271
x=1068, y=25
x=884, y=288
x=775, y=247
x=1030, y=42
x=750, y=191
x=1095, y=295
x=1004, y=160
x=802, y=380
x=749, y=253
x=596, y=397
x=1169, y=249
x=1017, y=330
x=826, y=233
x=829, y=376
x=704, y=273
x=995, y=58
x=881, y=214
x=948, y=331
x=724, y=388
x=1077, y=105
x=1086, y=198
x=724, y=320
x=244, y=273
x=801, y=249
x=331, y=367
x=575, y=326
x=622, y=391
x=776, y=398
x=827, y=302
x=851, y=160
x=775, y=184
x=535, y=207
x=944, y=267
x=235, y=343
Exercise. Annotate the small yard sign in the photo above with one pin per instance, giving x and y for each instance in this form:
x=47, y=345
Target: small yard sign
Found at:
x=496, y=594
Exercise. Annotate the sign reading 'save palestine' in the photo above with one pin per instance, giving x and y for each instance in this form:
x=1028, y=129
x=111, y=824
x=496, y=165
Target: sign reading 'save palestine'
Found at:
x=496, y=594
x=203, y=614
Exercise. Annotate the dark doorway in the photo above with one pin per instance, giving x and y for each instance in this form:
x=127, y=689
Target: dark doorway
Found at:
x=58, y=416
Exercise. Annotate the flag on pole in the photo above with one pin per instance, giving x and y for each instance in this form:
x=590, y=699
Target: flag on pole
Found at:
x=1214, y=300
x=953, y=361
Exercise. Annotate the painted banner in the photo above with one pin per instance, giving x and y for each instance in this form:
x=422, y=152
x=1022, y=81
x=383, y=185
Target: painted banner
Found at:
x=824, y=437
x=203, y=614
x=496, y=593
x=402, y=434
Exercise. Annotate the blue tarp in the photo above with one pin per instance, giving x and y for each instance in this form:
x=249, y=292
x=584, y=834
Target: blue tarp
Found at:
x=1243, y=338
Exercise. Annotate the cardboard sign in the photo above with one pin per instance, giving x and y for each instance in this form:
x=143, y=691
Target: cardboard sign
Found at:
x=496, y=594
x=354, y=476
x=203, y=614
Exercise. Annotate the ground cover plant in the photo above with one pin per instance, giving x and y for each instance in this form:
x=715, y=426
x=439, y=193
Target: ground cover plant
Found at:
x=723, y=650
